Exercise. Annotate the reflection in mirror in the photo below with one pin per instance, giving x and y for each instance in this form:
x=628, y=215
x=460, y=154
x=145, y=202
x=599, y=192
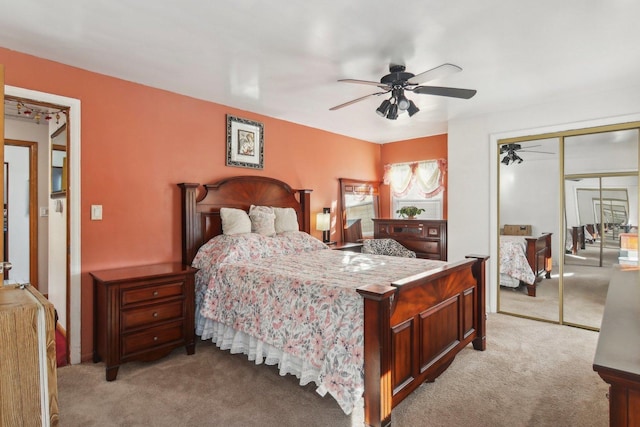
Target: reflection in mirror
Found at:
x=529, y=172
x=601, y=209
x=59, y=162
x=359, y=207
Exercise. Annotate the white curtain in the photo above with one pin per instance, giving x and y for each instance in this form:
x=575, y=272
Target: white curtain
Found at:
x=426, y=176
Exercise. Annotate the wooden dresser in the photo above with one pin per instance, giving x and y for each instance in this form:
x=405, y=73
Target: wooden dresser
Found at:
x=617, y=355
x=28, y=384
x=142, y=313
x=427, y=238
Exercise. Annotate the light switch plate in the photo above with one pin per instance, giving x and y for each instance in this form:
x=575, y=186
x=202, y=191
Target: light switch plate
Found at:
x=96, y=212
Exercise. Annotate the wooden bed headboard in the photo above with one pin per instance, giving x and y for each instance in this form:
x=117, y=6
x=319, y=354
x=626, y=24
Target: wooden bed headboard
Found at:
x=201, y=215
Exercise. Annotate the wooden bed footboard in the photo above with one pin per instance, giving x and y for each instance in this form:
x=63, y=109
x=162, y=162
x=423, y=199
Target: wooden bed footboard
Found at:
x=539, y=258
x=415, y=327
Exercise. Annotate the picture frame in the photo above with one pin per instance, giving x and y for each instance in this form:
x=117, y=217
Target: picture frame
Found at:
x=245, y=143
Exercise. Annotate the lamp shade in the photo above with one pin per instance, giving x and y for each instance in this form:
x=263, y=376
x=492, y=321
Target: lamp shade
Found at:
x=323, y=221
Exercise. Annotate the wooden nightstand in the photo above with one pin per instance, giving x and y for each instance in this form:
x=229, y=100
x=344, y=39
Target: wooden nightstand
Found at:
x=142, y=313
x=348, y=246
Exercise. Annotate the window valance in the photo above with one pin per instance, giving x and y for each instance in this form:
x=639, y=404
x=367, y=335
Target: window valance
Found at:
x=426, y=176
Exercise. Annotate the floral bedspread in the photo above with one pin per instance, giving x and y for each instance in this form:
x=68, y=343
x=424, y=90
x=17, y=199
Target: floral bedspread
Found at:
x=513, y=260
x=304, y=302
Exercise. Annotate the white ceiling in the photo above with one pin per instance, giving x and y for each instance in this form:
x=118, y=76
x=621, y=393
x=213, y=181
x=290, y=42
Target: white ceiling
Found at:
x=283, y=58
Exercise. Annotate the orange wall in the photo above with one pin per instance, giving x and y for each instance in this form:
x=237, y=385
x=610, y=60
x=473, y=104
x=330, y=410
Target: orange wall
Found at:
x=427, y=148
x=138, y=142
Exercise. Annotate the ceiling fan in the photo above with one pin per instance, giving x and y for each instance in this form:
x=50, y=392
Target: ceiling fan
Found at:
x=398, y=81
x=512, y=157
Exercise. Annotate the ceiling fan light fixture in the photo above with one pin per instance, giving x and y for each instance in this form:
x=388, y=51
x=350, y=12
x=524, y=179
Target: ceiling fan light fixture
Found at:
x=402, y=101
x=383, y=109
x=393, y=112
x=412, y=109
x=505, y=160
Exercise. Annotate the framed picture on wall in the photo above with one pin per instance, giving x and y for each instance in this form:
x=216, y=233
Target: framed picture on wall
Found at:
x=245, y=143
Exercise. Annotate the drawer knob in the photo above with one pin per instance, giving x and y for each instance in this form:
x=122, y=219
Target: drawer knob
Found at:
x=155, y=338
x=155, y=314
x=155, y=293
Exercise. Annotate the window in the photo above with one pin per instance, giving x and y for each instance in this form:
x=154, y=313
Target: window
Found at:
x=419, y=184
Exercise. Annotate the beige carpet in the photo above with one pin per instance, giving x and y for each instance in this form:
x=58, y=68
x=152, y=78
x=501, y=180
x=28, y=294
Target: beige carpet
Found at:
x=532, y=374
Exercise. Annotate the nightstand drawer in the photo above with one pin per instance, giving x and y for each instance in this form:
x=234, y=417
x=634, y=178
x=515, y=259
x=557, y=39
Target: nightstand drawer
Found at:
x=150, y=338
x=150, y=293
x=150, y=314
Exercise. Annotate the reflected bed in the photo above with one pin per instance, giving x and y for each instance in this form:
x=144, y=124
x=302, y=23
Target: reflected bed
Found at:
x=523, y=260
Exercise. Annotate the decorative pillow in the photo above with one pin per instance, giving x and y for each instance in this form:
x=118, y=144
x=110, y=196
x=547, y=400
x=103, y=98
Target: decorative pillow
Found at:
x=286, y=220
x=262, y=220
x=234, y=221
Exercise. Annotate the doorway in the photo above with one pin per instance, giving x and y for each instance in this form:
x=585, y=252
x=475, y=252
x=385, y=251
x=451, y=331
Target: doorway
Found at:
x=20, y=206
x=67, y=298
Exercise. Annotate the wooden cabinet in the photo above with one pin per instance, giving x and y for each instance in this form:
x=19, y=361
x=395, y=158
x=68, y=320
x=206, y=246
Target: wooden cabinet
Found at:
x=616, y=359
x=142, y=313
x=28, y=384
x=427, y=238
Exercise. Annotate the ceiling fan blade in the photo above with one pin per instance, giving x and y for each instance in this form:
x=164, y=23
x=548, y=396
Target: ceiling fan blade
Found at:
x=540, y=152
x=353, y=101
x=365, y=82
x=445, y=91
x=434, y=73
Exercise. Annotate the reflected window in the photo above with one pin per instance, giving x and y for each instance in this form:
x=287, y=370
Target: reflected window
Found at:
x=359, y=207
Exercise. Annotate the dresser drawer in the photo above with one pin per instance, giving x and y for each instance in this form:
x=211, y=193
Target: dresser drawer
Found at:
x=405, y=230
x=153, y=337
x=150, y=293
x=424, y=247
x=149, y=314
x=432, y=231
x=426, y=237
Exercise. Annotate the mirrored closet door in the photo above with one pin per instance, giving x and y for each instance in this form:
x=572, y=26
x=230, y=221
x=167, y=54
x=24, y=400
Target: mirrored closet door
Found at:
x=529, y=172
x=601, y=207
x=582, y=187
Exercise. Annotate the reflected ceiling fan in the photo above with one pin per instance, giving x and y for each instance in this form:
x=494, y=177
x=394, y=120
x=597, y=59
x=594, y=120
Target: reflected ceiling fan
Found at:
x=398, y=81
x=512, y=156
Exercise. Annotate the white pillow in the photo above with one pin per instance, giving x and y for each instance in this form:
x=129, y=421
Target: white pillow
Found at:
x=262, y=220
x=286, y=220
x=234, y=221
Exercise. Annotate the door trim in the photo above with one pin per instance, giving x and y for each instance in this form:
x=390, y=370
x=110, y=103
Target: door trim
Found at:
x=74, y=300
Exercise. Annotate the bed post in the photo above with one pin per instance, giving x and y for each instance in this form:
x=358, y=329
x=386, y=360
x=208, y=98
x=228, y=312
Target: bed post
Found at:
x=378, y=393
x=305, y=206
x=479, y=273
x=548, y=263
x=189, y=226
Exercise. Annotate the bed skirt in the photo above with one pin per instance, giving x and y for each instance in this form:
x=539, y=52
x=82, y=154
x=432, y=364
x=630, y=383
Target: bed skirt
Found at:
x=508, y=281
x=227, y=338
